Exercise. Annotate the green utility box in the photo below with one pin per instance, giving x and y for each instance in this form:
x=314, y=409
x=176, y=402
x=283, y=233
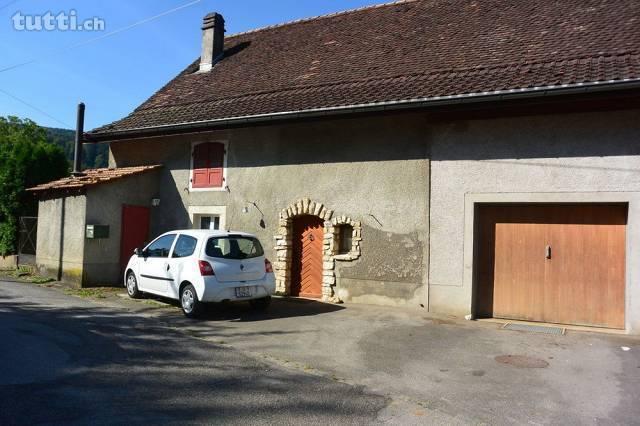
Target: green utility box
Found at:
x=97, y=231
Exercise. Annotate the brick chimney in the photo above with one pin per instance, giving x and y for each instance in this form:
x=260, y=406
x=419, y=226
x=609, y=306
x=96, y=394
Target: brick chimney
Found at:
x=212, y=41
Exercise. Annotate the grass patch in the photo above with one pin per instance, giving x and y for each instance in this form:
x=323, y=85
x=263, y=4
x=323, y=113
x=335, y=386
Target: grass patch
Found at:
x=154, y=303
x=92, y=293
x=25, y=274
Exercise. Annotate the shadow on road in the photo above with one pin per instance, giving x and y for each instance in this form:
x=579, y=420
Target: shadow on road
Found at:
x=242, y=311
x=118, y=367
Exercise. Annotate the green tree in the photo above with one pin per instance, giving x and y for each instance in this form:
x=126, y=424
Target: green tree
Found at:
x=94, y=155
x=26, y=160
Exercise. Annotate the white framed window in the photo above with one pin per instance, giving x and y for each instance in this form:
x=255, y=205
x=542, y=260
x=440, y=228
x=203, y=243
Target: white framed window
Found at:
x=208, y=217
x=202, y=221
x=208, y=170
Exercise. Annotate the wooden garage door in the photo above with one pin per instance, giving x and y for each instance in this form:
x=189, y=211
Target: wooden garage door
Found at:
x=306, y=267
x=553, y=263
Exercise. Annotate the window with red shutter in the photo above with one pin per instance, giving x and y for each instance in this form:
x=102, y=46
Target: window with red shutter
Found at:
x=208, y=165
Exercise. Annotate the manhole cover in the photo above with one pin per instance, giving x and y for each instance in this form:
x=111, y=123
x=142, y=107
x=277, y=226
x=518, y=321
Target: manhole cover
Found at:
x=522, y=361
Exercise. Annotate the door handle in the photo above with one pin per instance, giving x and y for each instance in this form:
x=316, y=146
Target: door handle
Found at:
x=311, y=237
x=547, y=252
x=168, y=266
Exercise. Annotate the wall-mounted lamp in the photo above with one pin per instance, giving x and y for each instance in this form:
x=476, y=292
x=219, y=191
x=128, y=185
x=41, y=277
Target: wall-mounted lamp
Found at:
x=245, y=209
x=155, y=202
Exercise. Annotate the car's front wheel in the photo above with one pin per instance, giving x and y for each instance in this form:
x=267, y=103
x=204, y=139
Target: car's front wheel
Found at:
x=132, y=286
x=189, y=302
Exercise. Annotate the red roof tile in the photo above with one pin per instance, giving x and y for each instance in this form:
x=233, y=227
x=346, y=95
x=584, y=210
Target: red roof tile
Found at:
x=92, y=177
x=407, y=50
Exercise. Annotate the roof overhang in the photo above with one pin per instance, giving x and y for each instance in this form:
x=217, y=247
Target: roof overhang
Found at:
x=407, y=104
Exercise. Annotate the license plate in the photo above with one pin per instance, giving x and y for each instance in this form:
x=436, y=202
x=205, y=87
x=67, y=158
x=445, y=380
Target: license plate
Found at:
x=243, y=291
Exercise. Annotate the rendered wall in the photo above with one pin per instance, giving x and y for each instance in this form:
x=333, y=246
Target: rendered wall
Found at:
x=60, y=239
x=104, y=207
x=374, y=170
x=582, y=157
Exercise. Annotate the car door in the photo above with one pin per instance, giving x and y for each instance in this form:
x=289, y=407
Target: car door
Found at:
x=181, y=256
x=154, y=265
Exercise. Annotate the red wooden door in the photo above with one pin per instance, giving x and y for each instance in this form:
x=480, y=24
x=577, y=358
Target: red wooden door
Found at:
x=134, y=232
x=306, y=267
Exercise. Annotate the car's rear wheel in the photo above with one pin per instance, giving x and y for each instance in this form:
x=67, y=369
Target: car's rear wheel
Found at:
x=260, y=304
x=132, y=286
x=191, y=306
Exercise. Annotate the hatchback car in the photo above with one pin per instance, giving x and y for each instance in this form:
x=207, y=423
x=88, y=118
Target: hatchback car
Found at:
x=202, y=266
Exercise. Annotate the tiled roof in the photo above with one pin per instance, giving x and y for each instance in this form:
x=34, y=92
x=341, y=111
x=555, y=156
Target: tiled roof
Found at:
x=401, y=51
x=92, y=177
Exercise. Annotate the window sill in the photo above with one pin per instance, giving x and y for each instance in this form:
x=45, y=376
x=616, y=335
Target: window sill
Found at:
x=346, y=257
x=216, y=189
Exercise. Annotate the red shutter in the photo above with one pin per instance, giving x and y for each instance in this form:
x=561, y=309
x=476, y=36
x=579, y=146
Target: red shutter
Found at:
x=208, y=164
x=200, y=166
x=216, y=164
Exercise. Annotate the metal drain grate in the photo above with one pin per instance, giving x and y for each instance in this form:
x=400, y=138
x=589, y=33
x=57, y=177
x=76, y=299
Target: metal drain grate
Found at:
x=534, y=328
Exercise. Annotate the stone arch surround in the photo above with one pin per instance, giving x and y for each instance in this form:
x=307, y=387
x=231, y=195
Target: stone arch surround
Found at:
x=284, y=246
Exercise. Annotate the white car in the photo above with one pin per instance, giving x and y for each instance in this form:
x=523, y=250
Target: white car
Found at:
x=201, y=266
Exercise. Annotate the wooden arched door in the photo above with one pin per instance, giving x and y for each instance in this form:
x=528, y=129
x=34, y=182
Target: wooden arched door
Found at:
x=306, y=265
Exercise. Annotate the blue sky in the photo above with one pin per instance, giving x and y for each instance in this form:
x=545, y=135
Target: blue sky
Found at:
x=114, y=75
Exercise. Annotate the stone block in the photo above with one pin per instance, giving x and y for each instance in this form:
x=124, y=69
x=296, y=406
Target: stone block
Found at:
x=317, y=209
x=327, y=265
x=328, y=280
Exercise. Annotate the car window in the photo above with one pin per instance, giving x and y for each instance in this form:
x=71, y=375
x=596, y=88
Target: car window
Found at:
x=234, y=247
x=161, y=246
x=185, y=246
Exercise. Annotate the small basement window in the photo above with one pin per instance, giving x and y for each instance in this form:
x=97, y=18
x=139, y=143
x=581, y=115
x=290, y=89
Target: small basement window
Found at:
x=209, y=222
x=345, y=238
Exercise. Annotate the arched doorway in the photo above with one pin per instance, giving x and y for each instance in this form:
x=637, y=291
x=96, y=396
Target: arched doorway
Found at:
x=305, y=269
x=307, y=251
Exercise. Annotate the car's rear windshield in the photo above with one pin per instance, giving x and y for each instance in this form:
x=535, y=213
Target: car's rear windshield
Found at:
x=234, y=247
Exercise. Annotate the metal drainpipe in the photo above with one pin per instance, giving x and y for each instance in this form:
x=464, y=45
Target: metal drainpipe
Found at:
x=77, y=155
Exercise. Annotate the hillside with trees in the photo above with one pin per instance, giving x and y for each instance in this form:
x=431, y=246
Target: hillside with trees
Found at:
x=93, y=155
x=27, y=159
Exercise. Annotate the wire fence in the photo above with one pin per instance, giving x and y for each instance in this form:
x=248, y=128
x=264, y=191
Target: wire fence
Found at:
x=27, y=233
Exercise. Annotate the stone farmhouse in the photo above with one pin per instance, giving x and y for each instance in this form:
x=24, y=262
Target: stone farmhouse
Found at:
x=469, y=157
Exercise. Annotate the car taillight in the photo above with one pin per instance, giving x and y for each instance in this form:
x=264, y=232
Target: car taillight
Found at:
x=205, y=268
x=267, y=266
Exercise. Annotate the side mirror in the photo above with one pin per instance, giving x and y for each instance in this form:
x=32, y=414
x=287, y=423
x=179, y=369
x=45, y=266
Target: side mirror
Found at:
x=138, y=252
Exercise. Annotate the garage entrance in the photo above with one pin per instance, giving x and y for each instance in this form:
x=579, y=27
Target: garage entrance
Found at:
x=552, y=263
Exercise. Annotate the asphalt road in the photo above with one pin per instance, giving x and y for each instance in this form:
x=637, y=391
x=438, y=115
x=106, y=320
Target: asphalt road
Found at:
x=64, y=360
